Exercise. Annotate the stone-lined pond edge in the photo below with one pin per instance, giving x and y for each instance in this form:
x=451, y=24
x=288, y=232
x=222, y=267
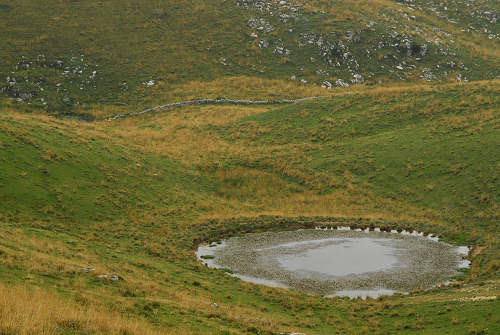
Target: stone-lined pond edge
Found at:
x=365, y=287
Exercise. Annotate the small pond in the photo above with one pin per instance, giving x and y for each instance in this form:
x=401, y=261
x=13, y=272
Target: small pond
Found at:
x=338, y=262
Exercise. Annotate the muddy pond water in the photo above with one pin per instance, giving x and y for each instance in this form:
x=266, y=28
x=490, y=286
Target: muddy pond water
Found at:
x=338, y=262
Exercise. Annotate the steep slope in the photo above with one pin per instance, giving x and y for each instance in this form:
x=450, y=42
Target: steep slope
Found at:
x=73, y=174
x=133, y=198
x=99, y=220
x=427, y=148
x=77, y=56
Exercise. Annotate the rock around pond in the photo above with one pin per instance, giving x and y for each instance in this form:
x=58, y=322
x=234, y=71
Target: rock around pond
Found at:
x=338, y=262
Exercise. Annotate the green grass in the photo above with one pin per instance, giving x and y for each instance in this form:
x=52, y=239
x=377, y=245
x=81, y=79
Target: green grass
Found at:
x=435, y=150
x=402, y=147
x=129, y=43
x=50, y=170
x=135, y=197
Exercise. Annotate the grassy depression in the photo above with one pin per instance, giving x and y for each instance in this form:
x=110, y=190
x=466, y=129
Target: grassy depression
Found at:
x=136, y=197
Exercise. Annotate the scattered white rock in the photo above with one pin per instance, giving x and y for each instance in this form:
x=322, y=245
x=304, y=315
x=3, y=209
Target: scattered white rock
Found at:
x=326, y=84
x=341, y=83
x=112, y=277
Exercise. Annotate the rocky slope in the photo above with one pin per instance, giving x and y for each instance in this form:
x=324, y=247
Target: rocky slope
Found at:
x=114, y=52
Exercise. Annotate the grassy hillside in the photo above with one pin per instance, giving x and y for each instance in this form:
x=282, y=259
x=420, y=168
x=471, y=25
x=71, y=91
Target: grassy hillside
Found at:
x=50, y=170
x=78, y=56
x=399, y=144
x=134, y=197
x=99, y=220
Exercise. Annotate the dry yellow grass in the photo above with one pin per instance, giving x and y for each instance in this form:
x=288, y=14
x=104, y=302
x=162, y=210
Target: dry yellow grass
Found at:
x=182, y=135
x=27, y=311
x=191, y=136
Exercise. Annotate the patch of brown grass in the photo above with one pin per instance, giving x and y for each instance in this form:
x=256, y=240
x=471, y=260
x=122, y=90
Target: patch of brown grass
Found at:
x=28, y=311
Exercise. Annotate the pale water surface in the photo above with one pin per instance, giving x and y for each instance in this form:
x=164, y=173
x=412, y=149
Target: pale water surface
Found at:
x=344, y=257
x=338, y=262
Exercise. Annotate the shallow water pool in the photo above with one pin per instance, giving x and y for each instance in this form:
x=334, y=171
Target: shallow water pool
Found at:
x=338, y=262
